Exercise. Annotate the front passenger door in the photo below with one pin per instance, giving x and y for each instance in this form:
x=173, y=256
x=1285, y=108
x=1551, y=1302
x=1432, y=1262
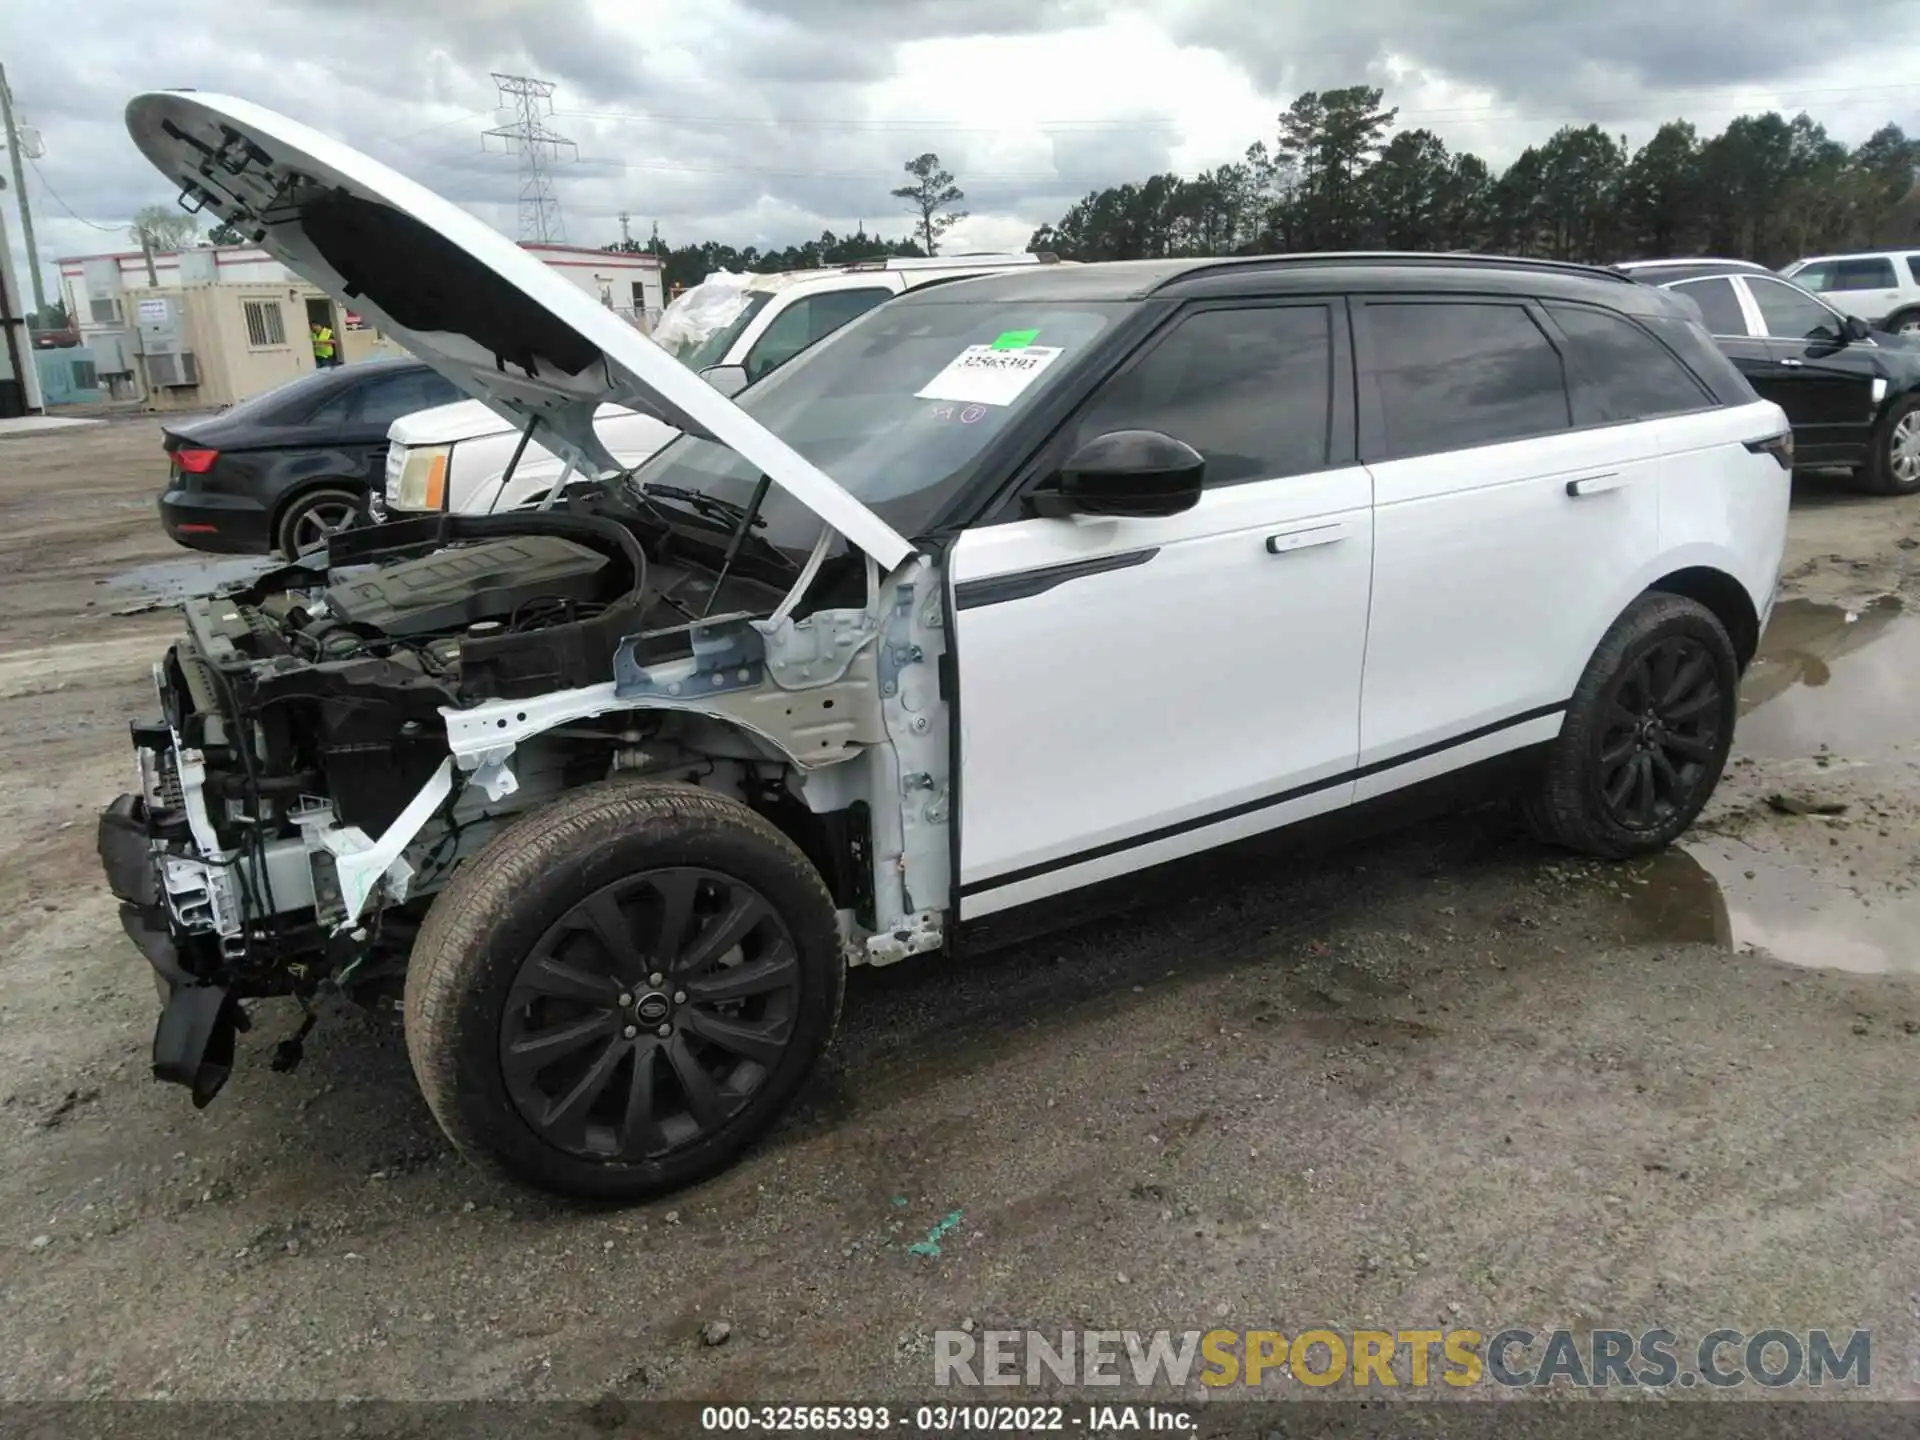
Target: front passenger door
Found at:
x=1828, y=380
x=1134, y=689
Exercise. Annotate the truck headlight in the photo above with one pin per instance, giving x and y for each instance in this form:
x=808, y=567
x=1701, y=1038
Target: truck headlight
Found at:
x=422, y=481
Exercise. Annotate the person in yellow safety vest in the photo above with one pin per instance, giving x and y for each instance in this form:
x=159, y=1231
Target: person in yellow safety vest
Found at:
x=323, y=351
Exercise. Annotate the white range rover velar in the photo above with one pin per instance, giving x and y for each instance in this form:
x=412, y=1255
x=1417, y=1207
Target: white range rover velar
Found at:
x=1009, y=587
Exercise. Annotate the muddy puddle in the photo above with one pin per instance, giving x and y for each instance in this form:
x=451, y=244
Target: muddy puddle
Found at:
x=1723, y=892
x=168, y=582
x=1836, y=688
x=1834, y=682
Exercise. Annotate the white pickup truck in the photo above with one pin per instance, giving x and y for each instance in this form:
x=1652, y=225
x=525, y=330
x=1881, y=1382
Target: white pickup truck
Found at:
x=462, y=457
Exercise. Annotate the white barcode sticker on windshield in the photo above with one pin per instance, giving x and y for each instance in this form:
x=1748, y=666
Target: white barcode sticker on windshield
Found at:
x=989, y=375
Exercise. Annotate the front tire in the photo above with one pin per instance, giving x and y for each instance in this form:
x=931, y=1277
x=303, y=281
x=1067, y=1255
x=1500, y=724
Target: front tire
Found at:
x=1646, y=735
x=1894, y=466
x=623, y=991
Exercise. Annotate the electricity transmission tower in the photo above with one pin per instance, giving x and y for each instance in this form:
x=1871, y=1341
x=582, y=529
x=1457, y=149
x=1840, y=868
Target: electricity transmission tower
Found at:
x=538, y=147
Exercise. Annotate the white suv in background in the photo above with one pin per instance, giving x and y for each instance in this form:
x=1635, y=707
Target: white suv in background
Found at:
x=1882, y=288
x=457, y=457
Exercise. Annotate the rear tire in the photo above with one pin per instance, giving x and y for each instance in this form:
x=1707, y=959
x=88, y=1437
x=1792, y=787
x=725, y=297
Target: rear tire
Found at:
x=311, y=517
x=1893, y=467
x=623, y=991
x=1646, y=735
x=1905, y=322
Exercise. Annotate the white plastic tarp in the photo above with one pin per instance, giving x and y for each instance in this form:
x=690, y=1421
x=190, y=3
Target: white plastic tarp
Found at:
x=701, y=311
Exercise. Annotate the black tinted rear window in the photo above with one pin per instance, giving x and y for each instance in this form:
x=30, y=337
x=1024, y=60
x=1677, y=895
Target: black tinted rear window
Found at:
x=1458, y=374
x=1719, y=305
x=1634, y=376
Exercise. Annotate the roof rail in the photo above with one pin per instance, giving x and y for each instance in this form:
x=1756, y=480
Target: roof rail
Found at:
x=948, y=262
x=1447, y=259
x=1677, y=261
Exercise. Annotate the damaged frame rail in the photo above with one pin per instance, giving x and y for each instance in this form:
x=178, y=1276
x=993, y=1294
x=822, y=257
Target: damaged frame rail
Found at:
x=850, y=699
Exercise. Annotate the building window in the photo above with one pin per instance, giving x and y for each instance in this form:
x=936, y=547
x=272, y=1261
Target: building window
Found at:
x=264, y=326
x=104, y=312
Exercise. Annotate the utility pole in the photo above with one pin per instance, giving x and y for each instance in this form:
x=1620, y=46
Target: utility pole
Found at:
x=20, y=193
x=626, y=232
x=536, y=144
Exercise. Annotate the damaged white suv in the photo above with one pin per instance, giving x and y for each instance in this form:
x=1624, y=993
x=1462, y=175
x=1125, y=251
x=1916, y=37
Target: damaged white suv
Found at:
x=618, y=790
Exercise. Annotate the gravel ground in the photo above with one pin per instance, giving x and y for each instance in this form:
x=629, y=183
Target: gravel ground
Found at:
x=1444, y=1079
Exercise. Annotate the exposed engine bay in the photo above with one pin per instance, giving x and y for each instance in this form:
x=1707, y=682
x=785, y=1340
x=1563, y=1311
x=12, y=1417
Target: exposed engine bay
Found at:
x=337, y=737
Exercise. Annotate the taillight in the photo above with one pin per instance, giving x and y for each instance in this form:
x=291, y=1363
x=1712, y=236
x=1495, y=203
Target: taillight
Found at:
x=1779, y=446
x=195, y=462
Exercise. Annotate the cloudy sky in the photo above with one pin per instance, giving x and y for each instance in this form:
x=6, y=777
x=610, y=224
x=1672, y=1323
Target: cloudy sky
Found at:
x=763, y=121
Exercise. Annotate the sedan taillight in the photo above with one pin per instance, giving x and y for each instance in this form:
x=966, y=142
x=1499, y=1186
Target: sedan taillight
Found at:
x=195, y=462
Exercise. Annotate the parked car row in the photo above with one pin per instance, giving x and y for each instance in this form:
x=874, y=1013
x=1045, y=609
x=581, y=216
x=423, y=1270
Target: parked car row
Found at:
x=1833, y=340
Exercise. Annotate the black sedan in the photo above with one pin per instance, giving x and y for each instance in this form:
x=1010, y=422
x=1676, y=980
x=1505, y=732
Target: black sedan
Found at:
x=283, y=470
x=1852, y=393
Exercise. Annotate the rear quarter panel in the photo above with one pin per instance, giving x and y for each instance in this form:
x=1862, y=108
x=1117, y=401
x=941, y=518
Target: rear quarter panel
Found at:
x=1721, y=507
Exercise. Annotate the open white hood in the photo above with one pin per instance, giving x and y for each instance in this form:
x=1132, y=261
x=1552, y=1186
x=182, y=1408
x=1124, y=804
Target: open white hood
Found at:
x=459, y=295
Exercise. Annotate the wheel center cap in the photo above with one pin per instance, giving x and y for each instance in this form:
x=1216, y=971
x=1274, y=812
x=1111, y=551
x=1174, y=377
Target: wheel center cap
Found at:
x=653, y=1008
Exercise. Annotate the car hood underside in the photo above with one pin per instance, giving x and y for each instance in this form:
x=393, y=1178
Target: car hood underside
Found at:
x=483, y=312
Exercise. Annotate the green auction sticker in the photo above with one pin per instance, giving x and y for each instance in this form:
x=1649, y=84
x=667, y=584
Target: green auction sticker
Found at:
x=1015, y=339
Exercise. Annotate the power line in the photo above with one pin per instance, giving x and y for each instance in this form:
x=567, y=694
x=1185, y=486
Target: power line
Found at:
x=72, y=213
x=530, y=138
x=437, y=125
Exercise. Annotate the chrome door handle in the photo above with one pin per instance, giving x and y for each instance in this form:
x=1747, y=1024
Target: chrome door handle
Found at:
x=1795, y=364
x=1287, y=541
x=1596, y=484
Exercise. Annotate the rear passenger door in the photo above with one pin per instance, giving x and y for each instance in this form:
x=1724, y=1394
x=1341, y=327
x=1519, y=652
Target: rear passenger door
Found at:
x=1734, y=322
x=1507, y=505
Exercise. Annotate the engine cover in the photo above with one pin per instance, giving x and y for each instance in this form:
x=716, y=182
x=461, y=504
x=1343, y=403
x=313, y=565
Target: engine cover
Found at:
x=452, y=589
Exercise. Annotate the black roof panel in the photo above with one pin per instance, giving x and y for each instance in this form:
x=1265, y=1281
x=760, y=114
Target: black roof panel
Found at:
x=1199, y=275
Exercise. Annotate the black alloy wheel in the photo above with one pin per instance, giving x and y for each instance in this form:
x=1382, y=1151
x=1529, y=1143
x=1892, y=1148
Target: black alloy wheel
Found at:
x=650, y=1014
x=1658, y=740
x=1646, y=733
x=623, y=990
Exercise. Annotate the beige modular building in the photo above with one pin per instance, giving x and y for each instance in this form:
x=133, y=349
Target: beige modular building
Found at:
x=206, y=328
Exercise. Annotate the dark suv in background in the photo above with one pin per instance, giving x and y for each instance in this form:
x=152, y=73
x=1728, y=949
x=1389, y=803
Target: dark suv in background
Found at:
x=1851, y=392
x=283, y=470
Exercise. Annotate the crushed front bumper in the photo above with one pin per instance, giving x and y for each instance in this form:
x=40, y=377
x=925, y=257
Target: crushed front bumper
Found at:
x=193, y=1043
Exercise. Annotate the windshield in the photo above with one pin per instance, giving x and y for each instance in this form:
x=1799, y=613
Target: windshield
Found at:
x=897, y=405
x=713, y=349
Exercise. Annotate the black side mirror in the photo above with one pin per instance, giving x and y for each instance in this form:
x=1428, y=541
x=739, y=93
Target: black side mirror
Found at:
x=1853, y=328
x=1126, y=472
